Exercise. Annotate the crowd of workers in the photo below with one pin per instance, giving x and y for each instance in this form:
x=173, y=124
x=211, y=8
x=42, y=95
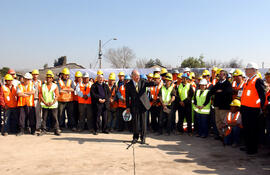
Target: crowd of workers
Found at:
x=232, y=106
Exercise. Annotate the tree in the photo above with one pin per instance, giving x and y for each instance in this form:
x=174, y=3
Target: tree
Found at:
x=121, y=57
x=153, y=62
x=4, y=71
x=140, y=63
x=235, y=63
x=60, y=61
x=193, y=62
x=45, y=66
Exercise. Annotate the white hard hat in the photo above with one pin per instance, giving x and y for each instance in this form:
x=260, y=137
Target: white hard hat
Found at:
x=28, y=76
x=126, y=116
x=232, y=71
x=203, y=82
x=186, y=69
x=85, y=75
x=252, y=65
x=157, y=69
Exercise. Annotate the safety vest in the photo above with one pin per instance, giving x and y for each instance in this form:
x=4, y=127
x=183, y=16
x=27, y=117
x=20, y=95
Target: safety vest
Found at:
x=267, y=102
x=166, y=94
x=10, y=96
x=194, y=86
x=75, y=96
x=37, y=85
x=250, y=97
x=29, y=100
x=183, y=91
x=113, y=104
x=65, y=97
x=237, y=87
x=200, y=98
x=154, y=91
x=49, y=96
x=85, y=89
x=214, y=81
x=208, y=85
x=231, y=118
x=122, y=90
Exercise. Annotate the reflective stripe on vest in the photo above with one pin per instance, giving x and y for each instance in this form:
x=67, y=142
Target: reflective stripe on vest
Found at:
x=200, y=101
x=183, y=91
x=10, y=96
x=85, y=89
x=28, y=101
x=250, y=97
x=49, y=96
x=65, y=97
x=166, y=94
x=231, y=119
x=154, y=91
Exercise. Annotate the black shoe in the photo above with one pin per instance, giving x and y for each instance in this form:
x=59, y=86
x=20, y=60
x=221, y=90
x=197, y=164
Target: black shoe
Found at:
x=33, y=132
x=74, y=129
x=57, y=133
x=134, y=141
x=105, y=132
x=20, y=133
x=95, y=133
x=142, y=141
x=243, y=149
x=217, y=138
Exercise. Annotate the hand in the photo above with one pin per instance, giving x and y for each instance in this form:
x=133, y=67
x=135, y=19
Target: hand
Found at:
x=200, y=107
x=219, y=90
x=101, y=100
x=182, y=104
x=85, y=97
x=127, y=110
x=111, y=100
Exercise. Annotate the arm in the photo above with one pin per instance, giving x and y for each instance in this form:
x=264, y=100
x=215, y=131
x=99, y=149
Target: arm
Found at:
x=261, y=91
x=128, y=95
x=78, y=90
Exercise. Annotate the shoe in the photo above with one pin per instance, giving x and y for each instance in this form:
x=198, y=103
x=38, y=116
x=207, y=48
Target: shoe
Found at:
x=74, y=129
x=33, y=132
x=197, y=135
x=5, y=134
x=217, y=138
x=190, y=134
x=142, y=140
x=95, y=133
x=105, y=132
x=243, y=149
x=57, y=133
x=20, y=133
x=203, y=137
x=134, y=141
x=80, y=130
x=234, y=145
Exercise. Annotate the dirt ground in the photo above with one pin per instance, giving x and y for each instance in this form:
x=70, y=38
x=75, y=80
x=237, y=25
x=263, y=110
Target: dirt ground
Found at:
x=73, y=153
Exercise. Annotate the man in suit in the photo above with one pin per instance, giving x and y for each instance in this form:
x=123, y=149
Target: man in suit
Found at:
x=137, y=104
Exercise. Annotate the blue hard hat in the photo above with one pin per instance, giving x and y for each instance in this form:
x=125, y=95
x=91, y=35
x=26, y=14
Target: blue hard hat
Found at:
x=185, y=75
x=143, y=76
x=127, y=77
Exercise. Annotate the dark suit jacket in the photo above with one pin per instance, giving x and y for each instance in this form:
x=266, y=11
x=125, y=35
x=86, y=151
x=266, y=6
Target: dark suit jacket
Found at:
x=95, y=94
x=138, y=101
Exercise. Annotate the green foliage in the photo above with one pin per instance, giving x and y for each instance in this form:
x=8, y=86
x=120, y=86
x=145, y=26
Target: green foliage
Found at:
x=193, y=62
x=153, y=62
x=4, y=71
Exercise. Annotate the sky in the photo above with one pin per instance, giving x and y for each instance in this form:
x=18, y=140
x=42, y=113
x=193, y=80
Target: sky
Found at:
x=35, y=32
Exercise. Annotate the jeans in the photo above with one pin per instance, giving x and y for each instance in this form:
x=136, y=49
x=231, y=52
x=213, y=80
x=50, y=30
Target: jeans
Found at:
x=233, y=137
x=202, y=124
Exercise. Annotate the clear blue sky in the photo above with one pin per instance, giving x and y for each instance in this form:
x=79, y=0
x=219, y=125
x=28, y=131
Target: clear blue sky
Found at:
x=35, y=32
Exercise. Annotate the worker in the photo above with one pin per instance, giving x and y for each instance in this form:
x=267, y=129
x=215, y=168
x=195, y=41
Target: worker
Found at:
x=175, y=74
x=26, y=105
x=238, y=83
x=150, y=77
x=15, y=82
x=213, y=78
x=120, y=97
x=163, y=73
x=78, y=79
x=112, y=112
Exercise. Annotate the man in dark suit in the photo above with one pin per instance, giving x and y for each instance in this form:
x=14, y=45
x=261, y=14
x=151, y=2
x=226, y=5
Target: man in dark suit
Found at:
x=137, y=104
x=100, y=94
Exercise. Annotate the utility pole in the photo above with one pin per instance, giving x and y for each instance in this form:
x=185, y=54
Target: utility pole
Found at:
x=262, y=64
x=99, y=54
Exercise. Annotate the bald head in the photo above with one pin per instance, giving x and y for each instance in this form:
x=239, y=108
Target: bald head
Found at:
x=99, y=78
x=135, y=75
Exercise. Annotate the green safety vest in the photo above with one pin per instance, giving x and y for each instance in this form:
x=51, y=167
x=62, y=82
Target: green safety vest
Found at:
x=166, y=94
x=200, y=101
x=183, y=91
x=49, y=96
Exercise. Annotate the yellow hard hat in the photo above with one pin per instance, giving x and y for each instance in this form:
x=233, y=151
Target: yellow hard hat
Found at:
x=65, y=71
x=259, y=74
x=236, y=103
x=192, y=75
x=112, y=76
x=168, y=76
x=163, y=71
x=156, y=76
x=218, y=71
x=200, y=78
x=78, y=74
x=8, y=77
x=150, y=75
x=214, y=69
x=121, y=74
x=49, y=74
x=237, y=72
x=35, y=72
x=206, y=73
x=179, y=75
x=99, y=72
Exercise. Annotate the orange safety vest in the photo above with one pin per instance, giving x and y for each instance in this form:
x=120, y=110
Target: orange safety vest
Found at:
x=75, y=97
x=214, y=82
x=10, y=96
x=231, y=119
x=65, y=97
x=267, y=102
x=250, y=97
x=122, y=90
x=154, y=91
x=28, y=101
x=85, y=89
x=113, y=104
x=237, y=88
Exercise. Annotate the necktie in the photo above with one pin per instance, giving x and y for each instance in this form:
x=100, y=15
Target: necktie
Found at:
x=137, y=89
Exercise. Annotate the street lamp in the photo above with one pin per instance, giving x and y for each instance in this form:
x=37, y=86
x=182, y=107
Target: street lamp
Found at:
x=99, y=50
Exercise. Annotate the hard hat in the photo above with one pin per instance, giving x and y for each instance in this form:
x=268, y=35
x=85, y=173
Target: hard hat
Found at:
x=127, y=77
x=85, y=75
x=156, y=76
x=65, y=71
x=168, y=77
x=157, y=69
x=8, y=77
x=267, y=73
x=163, y=71
x=237, y=72
x=175, y=71
x=203, y=82
x=200, y=78
x=192, y=75
x=112, y=76
x=179, y=75
x=229, y=76
x=206, y=73
x=49, y=74
x=214, y=69
x=236, y=103
x=126, y=116
x=78, y=74
x=11, y=71
x=232, y=71
x=186, y=69
x=121, y=74
x=99, y=72
x=35, y=72
x=185, y=75
x=143, y=76
x=252, y=65
x=150, y=75
x=28, y=76
x=259, y=74
x=218, y=71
